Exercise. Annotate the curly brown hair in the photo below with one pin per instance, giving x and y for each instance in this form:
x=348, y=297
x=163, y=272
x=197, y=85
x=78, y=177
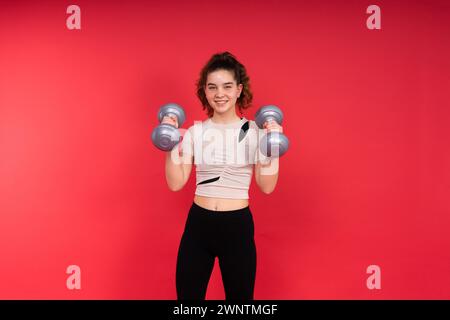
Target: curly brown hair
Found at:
x=225, y=61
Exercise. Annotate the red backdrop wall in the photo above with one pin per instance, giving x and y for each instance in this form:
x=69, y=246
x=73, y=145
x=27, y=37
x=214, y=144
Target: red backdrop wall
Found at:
x=366, y=181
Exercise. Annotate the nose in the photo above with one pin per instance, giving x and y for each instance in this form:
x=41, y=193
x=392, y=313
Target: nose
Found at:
x=219, y=93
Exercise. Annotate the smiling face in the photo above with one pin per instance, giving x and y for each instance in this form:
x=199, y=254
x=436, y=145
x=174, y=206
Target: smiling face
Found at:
x=222, y=91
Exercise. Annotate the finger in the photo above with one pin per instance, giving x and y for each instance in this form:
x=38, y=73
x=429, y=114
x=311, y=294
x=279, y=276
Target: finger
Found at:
x=275, y=128
x=171, y=121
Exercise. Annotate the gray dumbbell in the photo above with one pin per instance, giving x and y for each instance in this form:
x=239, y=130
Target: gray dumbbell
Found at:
x=166, y=136
x=274, y=143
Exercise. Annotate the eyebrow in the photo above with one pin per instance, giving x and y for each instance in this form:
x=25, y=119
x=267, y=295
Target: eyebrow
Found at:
x=213, y=84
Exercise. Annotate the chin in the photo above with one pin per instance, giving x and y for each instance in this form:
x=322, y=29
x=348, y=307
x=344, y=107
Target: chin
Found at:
x=219, y=110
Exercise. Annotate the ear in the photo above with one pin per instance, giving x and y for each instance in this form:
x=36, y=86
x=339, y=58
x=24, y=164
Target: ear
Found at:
x=240, y=87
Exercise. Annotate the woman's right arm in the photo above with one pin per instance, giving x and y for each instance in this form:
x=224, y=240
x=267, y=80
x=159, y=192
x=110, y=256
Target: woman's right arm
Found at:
x=177, y=172
x=178, y=168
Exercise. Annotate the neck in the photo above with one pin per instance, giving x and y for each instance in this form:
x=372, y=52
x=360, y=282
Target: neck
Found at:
x=229, y=117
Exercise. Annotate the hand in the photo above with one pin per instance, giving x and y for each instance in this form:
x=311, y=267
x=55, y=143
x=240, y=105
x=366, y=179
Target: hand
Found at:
x=170, y=120
x=273, y=126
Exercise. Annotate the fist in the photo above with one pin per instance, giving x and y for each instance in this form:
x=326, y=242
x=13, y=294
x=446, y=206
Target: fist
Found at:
x=170, y=120
x=273, y=126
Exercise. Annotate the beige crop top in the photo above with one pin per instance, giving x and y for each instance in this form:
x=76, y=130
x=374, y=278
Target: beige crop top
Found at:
x=224, y=155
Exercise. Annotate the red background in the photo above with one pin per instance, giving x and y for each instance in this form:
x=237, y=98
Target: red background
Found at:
x=366, y=180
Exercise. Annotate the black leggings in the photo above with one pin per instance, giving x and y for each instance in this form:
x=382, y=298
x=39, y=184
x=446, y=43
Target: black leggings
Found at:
x=228, y=235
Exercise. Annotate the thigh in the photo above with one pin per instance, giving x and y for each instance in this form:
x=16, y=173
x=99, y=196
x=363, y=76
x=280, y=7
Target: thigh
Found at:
x=238, y=263
x=194, y=267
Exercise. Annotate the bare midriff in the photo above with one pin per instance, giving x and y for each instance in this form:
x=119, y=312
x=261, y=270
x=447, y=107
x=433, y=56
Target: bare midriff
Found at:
x=220, y=204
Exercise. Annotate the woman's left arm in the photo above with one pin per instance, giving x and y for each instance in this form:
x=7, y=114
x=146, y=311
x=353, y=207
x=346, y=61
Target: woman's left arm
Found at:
x=266, y=174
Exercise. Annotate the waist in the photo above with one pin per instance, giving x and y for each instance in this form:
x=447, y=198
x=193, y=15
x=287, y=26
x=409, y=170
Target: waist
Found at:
x=220, y=204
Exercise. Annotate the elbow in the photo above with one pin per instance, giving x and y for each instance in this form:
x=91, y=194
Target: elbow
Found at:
x=175, y=188
x=265, y=187
x=267, y=190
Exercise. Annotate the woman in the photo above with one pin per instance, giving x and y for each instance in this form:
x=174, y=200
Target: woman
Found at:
x=220, y=223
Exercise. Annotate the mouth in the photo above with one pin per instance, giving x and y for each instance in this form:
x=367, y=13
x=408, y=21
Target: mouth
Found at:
x=221, y=103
